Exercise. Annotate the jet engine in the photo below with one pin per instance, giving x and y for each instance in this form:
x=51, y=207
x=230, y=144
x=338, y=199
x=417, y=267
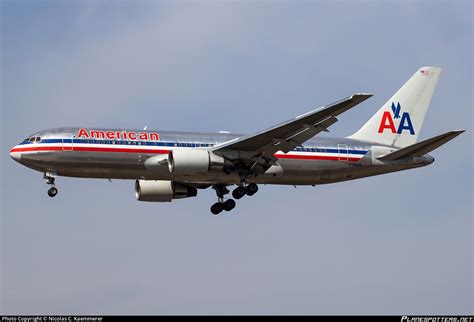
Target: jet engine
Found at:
x=188, y=160
x=162, y=190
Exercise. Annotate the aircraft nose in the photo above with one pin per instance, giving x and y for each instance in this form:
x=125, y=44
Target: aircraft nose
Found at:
x=15, y=155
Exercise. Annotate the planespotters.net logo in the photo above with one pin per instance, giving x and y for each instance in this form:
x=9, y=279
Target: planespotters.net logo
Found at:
x=437, y=319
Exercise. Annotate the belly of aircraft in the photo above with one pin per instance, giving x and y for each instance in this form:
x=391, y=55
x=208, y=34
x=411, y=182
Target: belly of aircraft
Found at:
x=131, y=166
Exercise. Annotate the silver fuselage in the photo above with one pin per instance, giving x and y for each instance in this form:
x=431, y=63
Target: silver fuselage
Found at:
x=320, y=160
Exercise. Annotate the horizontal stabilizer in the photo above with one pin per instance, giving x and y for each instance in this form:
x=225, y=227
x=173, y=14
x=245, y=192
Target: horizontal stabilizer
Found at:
x=421, y=148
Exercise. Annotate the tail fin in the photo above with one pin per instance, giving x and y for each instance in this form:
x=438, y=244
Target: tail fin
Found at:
x=398, y=122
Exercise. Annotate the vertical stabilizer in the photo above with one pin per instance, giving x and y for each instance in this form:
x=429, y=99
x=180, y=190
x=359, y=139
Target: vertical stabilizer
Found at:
x=398, y=122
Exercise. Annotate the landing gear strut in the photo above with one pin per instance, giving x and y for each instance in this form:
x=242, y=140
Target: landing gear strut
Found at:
x=228, y=205
x=53, y=191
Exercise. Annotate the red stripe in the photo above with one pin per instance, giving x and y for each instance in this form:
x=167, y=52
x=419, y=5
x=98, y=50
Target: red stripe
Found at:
x=89, y=149
x=53, y=148
x=86, y=149
x=153, y=151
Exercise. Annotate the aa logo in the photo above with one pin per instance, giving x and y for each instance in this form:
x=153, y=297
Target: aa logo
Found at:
x=388, y=123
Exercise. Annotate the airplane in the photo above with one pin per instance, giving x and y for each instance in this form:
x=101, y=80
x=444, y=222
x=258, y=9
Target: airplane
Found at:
x=174, y=165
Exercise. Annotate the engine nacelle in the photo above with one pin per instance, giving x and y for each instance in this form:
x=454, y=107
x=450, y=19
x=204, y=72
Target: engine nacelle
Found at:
x=162, y=190
x=188, y=160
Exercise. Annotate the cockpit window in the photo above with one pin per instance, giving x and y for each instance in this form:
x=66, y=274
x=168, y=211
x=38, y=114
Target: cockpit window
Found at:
x=32, y=139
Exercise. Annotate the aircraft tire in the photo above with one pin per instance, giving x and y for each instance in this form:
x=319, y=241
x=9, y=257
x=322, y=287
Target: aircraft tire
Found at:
x=53, y=191
x=238, y=192
x=251, y=189
x=217, y=208
x=229, y=205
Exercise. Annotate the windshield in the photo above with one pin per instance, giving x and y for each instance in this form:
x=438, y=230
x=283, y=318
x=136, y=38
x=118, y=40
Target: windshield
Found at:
x=32, y=139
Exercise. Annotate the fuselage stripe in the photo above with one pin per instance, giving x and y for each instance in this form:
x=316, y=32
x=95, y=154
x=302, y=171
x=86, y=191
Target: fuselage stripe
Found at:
x=88, y=149
x=341, y=157
x=76, y=142
x=316, y=157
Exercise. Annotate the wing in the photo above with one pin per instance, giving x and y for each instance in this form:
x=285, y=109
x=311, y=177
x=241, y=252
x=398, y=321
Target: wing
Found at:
x=260, y=147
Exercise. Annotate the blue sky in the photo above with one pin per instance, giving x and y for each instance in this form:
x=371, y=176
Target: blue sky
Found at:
x=394, y=244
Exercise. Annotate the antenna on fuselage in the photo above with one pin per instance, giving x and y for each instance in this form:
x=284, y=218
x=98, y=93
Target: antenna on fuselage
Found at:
x=144, y=129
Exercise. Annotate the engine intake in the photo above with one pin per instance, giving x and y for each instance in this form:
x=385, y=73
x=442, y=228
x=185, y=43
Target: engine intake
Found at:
x=162, y=190
x=189, y=160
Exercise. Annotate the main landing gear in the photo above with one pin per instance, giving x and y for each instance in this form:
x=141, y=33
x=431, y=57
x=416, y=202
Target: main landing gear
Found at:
x=241, y=191
x=53, y=191
x=228, y=205
x=237, y=193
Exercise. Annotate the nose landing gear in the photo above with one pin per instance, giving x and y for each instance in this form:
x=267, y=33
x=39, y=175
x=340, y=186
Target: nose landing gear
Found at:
x=50, y=176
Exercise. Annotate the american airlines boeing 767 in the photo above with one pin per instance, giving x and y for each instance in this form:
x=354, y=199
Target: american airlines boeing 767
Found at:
x=174, y=165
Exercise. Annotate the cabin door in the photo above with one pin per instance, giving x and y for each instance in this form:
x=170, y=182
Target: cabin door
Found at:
x=343, y=152
x=68, y=142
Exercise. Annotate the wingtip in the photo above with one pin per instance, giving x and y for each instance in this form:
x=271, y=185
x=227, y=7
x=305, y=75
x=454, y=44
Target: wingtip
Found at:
x=361, y=96
x=454, y=133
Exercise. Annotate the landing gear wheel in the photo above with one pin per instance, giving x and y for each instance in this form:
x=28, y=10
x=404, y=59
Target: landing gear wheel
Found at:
x=217, y=208
x=251, y=189
x=52, y=192
x=238, y=192
x=229, y=205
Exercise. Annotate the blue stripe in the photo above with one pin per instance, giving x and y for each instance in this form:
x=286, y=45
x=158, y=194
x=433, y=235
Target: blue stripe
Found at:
x=176, y=144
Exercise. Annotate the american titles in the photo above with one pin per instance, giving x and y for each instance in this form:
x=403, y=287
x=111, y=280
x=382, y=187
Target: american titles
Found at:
x=118, y=135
